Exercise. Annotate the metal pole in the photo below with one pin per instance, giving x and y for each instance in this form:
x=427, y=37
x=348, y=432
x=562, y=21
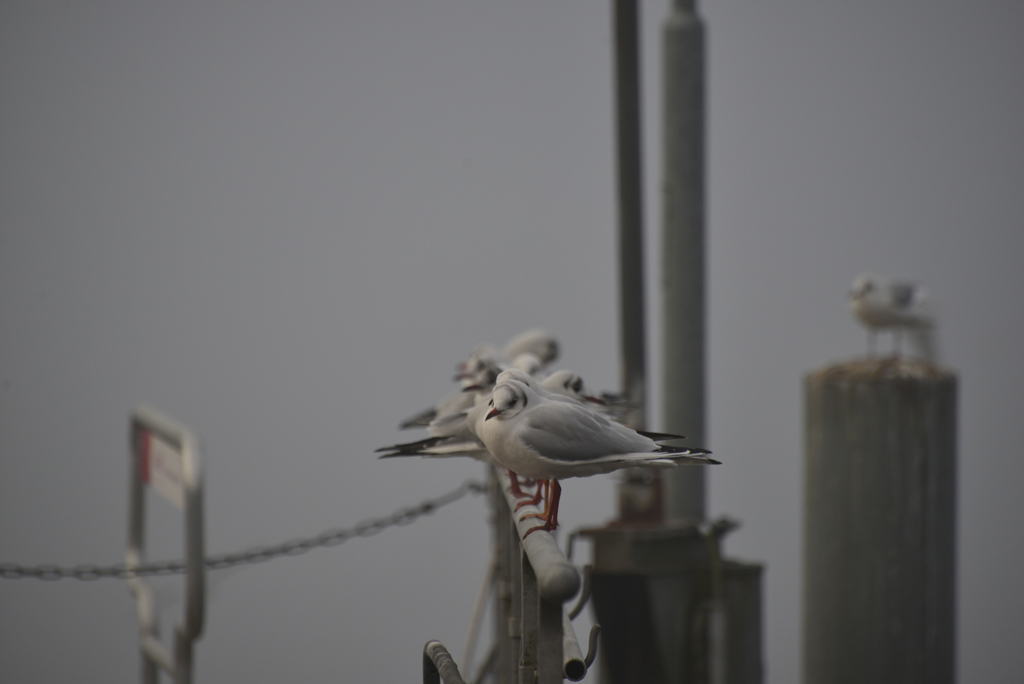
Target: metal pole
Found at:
x=148, y=428
x=630, y=187
x=515, y=622
x=652, y=584
x=574, y=666
x=879, y=523
x=640, y=492
x=683, y=252
x=146, y=605
x=550, y=643
x=558, y=580
x=530, y=622
x=506, y=630
x=438, y=665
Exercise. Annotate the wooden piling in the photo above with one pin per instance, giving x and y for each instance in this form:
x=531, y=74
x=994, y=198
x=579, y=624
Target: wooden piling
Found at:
x=879, y=523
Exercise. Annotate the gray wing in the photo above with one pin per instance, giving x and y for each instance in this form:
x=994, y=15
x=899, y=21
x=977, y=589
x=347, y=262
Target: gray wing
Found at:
x=902, y=294
x=572, y=433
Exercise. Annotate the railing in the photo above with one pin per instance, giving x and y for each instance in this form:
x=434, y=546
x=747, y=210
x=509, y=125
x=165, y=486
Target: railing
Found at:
x=163, y=457
x=534, y=639
x=438, y=665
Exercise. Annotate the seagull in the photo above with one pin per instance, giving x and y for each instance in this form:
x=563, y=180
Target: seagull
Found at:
x=563, y=385
x=569, y=384
x=473, y=385
x=549, y=440
x=530, y=364
x=608, y=404
x=483, y=355
x=457, y=433
x=532, y=351
x=879, y=303
x=536, y=341
x=453, y=436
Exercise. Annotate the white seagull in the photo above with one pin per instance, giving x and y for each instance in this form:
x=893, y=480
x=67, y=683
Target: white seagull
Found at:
x=568, y=384
x=457, y=433
x=530, y=364
x=537, y=342
x=879, y=303
x=532, y=350
x=472, y=385
x=550, y=440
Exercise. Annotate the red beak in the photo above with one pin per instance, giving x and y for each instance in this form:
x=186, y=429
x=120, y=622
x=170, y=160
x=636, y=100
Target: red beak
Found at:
x=493, y=412
x=596, y=400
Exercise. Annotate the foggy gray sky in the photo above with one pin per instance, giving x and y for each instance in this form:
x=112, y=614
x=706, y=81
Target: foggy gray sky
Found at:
x=282, y=224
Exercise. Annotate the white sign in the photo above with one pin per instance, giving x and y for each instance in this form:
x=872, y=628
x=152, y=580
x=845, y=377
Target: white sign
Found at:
x=161, y=466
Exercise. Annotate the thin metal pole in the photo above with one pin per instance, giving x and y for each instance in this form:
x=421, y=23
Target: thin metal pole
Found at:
x=438, y=665
x=506, y=630
x=630, y=189
x=515, y=622
x=146, y=605
x=530, y=625
x=683, y=252
x=550, y=642
x=574, y=666
x=476, y=617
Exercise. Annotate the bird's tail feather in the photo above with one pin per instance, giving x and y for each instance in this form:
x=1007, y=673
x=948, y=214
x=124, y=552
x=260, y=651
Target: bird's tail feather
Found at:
x=659, y=436
x=409, y=447
x=421, y=419
x=666, y=449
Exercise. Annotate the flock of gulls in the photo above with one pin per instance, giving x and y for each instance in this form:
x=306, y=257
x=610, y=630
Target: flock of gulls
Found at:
x=511, y=413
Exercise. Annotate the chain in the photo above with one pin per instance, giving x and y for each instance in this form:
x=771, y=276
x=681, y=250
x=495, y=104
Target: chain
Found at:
x=297, y=547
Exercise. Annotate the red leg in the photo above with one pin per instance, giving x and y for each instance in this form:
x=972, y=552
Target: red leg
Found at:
x=513, y=480
x=544, y=485
x=536, y=498
x=515, y=489
x=550, y=510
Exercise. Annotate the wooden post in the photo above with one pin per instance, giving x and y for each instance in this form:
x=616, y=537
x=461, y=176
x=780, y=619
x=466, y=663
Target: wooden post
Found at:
x=879, y=523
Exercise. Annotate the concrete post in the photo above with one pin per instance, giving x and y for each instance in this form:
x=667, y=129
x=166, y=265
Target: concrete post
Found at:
x=879, y=523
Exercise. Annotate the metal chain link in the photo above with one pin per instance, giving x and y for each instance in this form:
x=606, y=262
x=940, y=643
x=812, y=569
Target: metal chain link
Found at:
x=297, y=547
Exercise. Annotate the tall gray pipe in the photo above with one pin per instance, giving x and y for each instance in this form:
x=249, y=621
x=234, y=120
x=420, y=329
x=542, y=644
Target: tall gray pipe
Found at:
x=683, y=252
x=631, y=218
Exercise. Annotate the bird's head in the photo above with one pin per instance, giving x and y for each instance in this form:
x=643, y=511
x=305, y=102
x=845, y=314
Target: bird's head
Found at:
x=529, y=363
x=537, y=342
x=508, y=399
x=516, y=374
x=863, y=285
x=569, y=384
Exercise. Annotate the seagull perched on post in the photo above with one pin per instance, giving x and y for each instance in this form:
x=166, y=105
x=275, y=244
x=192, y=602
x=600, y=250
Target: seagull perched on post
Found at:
x=549, y=440
x=879, y=303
